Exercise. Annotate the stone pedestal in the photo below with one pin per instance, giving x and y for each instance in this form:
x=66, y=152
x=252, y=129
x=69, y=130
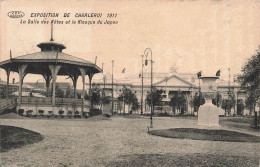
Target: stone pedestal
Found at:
x=208, y=114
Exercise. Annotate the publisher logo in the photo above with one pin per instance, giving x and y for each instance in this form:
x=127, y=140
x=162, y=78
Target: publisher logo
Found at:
x=15, y=14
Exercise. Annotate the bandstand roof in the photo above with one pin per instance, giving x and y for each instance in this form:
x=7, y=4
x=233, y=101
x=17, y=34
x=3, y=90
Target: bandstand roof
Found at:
x=50, y=54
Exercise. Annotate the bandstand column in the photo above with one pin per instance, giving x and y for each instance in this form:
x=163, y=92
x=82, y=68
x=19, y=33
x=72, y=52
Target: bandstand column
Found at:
x=90, y=76
x=74, y=80
x=8, y=76
x=83, y=74
x=47, y=80
x=22, y=73
x=54, y=72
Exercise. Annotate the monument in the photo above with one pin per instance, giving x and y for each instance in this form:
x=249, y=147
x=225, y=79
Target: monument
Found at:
x=208, y=114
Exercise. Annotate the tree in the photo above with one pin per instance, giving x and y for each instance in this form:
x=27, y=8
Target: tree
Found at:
x=198, y=101
x=69, y=92
x=240, y=107
x=217, y=99
x=178, y=101
x=58, y=91
x=96, y=98
x=250, y=80
x=226, y=105
x=135, y=103
x=157, y=98
x=232, y=99
x=128, y=97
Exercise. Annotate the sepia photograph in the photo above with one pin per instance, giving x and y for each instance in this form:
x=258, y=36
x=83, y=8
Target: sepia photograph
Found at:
x=130, y=83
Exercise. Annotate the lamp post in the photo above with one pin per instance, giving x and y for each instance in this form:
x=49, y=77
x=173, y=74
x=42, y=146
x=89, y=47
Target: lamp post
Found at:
x=142, y=75
x=146, y=51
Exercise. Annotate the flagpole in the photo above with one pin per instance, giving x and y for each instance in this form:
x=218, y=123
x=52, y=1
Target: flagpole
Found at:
x=112, y=87
x=142, y=75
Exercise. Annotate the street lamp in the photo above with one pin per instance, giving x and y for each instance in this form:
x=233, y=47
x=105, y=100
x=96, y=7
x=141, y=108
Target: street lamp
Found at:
x=146, y=51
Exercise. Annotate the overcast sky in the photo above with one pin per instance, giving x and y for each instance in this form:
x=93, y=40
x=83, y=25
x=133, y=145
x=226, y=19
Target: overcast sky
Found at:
x=194, y=35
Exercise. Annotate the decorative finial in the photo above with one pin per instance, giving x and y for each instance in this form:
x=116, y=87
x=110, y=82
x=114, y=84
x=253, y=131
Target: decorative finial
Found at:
x=51, y=32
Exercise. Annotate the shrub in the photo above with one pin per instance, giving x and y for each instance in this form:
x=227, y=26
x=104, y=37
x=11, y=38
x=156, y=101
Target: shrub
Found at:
x=85, y=114
x=29, y=113
x=163, y=114
x=106, y=115
x=20, y=111
x=94, y=112
x=50, y=112
x=70, y=113
x=41, y=112
x=61, y=112
x=77, y=115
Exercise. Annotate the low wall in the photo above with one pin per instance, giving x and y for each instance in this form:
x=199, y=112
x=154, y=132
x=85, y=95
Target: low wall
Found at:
x=66, y=104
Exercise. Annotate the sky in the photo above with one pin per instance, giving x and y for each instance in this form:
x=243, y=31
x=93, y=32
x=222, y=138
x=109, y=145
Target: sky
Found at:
x=194, y=35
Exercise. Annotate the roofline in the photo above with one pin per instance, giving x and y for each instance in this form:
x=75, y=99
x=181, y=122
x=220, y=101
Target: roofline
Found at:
x=174, y=75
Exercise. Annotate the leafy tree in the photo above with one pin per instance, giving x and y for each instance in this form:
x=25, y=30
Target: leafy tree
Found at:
x=232, y=99
x=250, y=80
x=128, y=97
x=217, y=99
x=69, y=92
x=198, y=101
x=157, y=98
x=178, y=101
x=135, y=103
x=240, y=107
x=96, y=98
x=227, y=105
x=191, y=103
x=58, y=91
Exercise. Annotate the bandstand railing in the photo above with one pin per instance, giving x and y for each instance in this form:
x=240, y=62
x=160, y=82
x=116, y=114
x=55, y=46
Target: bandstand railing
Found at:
x=48, y=101
x=7, y=103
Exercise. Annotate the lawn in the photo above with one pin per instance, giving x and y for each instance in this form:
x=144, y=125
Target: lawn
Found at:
x=14, y=137
x=122, y=141
x=205, y=134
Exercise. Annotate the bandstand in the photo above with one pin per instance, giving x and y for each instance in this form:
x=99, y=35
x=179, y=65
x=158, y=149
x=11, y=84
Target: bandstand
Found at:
x=51, y=62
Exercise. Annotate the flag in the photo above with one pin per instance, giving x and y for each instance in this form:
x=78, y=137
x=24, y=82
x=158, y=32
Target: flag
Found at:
x=199, y=74
x=218, y=73
x=123, y=71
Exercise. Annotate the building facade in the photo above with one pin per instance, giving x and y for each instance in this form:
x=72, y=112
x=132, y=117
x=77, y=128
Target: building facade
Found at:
x=170, y=84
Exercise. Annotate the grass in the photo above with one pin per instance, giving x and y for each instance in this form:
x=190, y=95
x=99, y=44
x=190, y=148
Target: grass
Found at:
x=248, y=120
x=205, y=134
x=190, y=160
x=15, y=137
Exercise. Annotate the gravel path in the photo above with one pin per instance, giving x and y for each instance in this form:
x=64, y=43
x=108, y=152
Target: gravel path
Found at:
x=91, y=143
